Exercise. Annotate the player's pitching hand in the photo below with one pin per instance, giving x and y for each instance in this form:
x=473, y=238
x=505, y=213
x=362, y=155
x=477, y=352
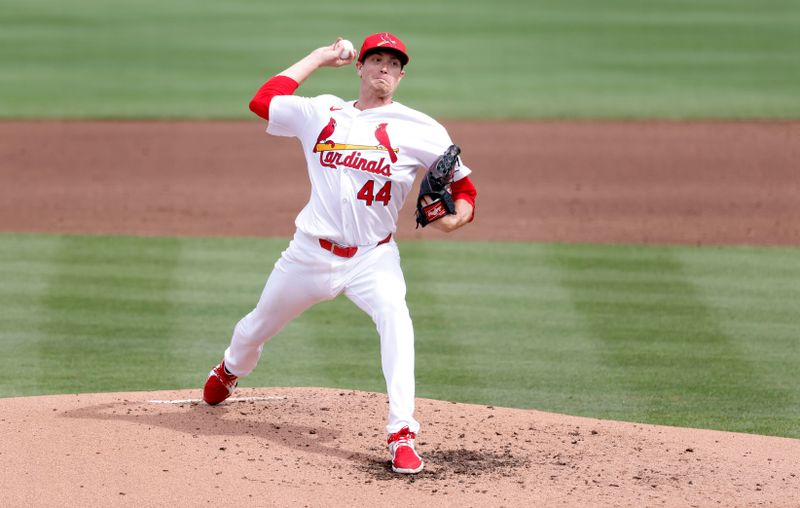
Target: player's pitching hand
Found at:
x=331, y=56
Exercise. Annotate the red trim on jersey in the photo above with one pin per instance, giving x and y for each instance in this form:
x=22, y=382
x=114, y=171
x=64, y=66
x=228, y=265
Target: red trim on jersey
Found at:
x=465, y=189
x=277, y=85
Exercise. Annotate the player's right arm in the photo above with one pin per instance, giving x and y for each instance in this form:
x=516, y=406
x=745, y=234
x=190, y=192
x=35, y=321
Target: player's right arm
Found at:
x=286, y=82
x=326, y=56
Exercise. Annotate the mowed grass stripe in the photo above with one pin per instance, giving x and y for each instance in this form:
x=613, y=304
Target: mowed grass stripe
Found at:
x=669, y=351
x=491, y=326
x=690, y=336
x=217, y=281
x=105, y=323
x=440, y=301
x=754, y=296
x=25, y=269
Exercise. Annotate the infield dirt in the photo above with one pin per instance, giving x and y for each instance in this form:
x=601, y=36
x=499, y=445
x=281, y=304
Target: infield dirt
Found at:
x=611, y=182
x=630, y=182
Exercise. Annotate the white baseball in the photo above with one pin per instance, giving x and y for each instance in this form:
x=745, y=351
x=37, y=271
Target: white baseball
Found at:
x=345, y=49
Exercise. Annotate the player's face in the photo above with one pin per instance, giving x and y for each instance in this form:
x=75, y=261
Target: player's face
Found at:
x=381, y=72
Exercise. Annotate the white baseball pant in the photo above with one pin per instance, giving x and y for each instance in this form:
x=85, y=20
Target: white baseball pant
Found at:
x=307, y=274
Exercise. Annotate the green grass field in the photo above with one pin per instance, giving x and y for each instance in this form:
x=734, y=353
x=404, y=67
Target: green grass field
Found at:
x=701, y=337
x=506, y=58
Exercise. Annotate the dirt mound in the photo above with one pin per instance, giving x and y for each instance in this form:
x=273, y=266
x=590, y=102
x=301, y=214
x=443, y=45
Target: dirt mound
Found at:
x=325, y=447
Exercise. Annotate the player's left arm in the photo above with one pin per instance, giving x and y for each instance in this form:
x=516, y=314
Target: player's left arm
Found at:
x=464, y=194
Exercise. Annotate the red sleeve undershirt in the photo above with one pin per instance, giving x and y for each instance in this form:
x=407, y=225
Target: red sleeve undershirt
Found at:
x=465, y=189
x=277, y=85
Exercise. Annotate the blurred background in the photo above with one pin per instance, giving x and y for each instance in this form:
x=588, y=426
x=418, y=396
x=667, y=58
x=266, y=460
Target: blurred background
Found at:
x=469, y=59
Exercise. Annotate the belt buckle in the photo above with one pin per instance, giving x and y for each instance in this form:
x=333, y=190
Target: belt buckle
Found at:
x=344, y=252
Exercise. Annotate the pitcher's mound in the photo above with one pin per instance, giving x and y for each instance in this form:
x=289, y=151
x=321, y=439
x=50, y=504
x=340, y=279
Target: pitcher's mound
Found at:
x=325, y=447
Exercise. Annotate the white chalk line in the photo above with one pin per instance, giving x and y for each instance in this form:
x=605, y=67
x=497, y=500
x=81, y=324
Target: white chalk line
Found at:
x=232, y=399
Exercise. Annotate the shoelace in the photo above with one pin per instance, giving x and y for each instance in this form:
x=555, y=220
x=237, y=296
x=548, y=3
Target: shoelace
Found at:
x=401, y=436
x=227, y=379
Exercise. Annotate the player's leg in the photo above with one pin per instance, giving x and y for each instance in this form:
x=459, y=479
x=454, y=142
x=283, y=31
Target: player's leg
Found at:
x=300, y=279
x=377, y=286
x=379, y=289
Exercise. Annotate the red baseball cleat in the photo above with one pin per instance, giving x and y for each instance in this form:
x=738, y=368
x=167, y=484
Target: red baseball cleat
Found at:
x=404, y=457
x=219, y=385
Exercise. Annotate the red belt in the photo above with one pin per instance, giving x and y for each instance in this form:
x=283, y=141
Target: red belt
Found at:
x=345, y=252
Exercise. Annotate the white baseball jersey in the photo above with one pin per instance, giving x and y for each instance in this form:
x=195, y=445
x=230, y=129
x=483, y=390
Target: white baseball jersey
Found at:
x=361, y=164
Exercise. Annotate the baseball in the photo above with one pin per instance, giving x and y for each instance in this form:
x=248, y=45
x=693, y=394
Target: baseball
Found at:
x=345, y=49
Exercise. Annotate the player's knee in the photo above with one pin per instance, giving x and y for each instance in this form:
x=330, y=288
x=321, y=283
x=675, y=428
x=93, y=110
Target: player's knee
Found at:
x=393, y=312
x=393, y=306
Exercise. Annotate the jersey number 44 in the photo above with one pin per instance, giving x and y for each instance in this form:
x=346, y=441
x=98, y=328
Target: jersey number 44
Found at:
x=367, y=193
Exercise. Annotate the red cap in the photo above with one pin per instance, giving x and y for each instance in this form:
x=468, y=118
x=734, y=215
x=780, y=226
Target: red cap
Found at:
x=383, y=41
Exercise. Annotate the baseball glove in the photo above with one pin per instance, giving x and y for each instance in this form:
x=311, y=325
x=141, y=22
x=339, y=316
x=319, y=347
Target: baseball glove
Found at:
x=435, y=187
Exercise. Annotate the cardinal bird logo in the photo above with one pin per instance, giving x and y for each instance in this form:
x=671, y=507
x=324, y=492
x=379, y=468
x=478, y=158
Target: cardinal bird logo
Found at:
x=386, y=39
x=383, y=138
x=325, y=133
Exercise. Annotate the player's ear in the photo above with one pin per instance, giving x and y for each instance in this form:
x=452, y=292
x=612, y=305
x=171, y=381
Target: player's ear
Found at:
x=359, y=65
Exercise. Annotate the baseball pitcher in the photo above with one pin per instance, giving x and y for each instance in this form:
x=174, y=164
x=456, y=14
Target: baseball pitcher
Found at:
x=362, y=157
